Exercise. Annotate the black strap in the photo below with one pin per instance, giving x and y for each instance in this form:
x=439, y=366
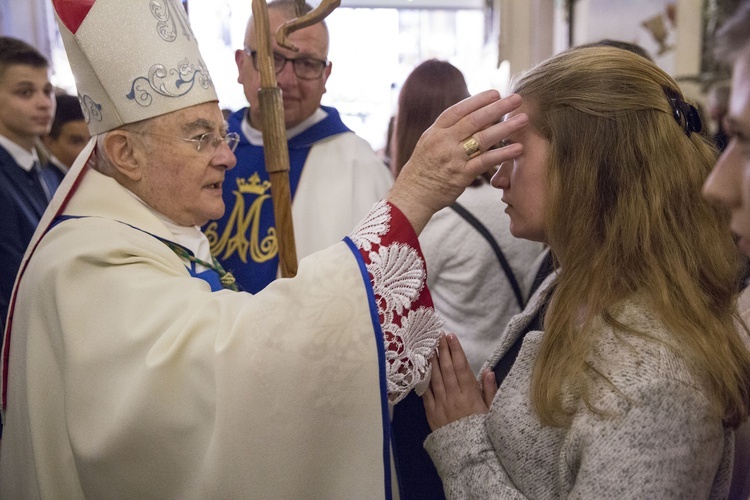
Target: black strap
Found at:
x=545, y=269
x=504, y=364
x=460, y=210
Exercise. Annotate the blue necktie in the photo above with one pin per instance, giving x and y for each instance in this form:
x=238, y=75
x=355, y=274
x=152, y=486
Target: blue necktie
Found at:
x=37, y=175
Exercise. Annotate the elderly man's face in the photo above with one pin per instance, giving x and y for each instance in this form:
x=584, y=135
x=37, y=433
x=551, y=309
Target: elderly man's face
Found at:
x=729, y=182
x=301, y=97
x=177, y=180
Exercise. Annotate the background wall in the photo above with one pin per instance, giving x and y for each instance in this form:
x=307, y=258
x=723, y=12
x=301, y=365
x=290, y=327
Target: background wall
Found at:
x=376, y=43
x=29, y=20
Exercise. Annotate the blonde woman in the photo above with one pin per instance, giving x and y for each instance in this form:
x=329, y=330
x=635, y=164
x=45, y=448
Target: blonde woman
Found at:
x=628, y=375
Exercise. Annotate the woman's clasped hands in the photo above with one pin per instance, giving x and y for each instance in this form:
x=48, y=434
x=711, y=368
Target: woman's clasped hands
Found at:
x=454, y=392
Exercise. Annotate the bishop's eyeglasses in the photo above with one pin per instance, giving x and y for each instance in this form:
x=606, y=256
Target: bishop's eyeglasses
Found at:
x=305, y=68
x=206, y=143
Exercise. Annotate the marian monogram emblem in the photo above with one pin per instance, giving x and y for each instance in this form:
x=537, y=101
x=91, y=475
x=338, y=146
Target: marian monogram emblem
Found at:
x=241, y=234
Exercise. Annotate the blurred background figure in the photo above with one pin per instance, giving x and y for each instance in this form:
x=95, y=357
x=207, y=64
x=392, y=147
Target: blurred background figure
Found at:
x=620, y=44
x=717, y=104
x=478, y=273
x=27, y=104
x=729, y=183
x=385, y=152
x=429, y=89
x=68, y=136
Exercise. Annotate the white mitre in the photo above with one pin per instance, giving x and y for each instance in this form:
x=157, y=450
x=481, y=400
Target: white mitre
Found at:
x=132, y=59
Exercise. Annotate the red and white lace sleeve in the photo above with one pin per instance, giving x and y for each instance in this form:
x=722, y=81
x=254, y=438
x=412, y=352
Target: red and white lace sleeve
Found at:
x=411, y=328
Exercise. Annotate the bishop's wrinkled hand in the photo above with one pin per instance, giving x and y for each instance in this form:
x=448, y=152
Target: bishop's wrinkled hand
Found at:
x=445, y=160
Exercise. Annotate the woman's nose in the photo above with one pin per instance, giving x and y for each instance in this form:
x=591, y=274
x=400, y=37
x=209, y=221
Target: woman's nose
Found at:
x=501, y=179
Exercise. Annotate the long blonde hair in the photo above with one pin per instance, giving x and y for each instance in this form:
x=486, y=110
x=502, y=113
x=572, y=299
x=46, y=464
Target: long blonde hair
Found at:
x=625, y=216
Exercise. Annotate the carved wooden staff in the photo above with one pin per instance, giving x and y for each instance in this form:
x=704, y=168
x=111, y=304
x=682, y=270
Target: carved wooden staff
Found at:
x=274, y=131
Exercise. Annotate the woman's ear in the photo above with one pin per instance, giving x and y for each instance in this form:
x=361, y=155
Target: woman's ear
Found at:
x=122, y=153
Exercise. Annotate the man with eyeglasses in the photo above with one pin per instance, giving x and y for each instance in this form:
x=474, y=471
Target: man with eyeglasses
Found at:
x=131, y=367
x=335, y=176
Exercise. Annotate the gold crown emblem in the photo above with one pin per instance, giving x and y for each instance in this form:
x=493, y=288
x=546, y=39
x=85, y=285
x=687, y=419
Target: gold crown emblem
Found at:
x=253, y=185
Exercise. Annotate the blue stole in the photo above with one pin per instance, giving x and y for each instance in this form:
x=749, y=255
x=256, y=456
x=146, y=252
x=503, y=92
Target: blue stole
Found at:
x=244, y=239
x=209, y=275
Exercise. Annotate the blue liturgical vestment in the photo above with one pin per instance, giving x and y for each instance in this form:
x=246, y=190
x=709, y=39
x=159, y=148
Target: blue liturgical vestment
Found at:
x=246, y=235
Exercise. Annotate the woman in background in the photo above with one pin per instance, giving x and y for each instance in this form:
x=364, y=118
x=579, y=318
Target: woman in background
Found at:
x=627, y=375
x=475, y=289
x=478, y=273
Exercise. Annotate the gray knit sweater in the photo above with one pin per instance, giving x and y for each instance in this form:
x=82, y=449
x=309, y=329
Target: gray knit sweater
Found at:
x=659, y=439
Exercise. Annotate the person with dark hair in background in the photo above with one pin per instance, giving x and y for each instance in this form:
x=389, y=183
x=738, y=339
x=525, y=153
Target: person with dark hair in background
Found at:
x=386, y=151
x=431, y=88
x=729, y=186
x=479, y=274
x=464, y=242
x=718, y=104
x=68, y=136
x=27, y=104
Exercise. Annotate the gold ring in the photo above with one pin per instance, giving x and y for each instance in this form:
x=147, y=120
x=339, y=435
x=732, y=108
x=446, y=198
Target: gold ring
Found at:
x=471, y=147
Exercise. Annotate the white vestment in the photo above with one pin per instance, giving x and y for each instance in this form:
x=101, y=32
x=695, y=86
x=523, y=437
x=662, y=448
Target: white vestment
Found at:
x=128, y=378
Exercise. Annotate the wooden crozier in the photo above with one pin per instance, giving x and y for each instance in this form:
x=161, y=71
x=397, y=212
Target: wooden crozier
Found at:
x=274, y=132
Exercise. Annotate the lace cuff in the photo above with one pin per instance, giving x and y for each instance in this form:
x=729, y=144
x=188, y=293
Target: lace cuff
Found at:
x=411, y=328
